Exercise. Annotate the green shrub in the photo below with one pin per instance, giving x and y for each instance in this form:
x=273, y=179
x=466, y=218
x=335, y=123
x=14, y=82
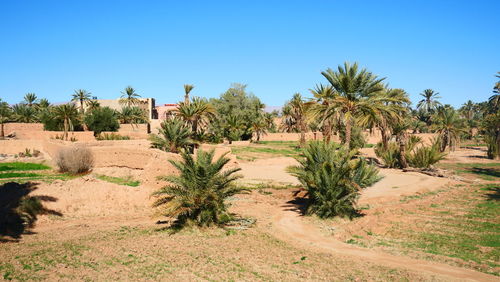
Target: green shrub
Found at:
x=357, y=137
x=332, y=178
x=425, y=156
x=173, y=136
x=102, y=119
x=111, y=136
x=197, y=196
x=390, y=156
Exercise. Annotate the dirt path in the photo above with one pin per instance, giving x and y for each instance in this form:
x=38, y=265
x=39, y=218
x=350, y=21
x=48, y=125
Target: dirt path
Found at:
x=289, y=226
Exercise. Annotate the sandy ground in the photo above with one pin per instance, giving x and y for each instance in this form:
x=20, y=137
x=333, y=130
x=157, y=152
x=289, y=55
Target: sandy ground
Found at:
x=98, y=205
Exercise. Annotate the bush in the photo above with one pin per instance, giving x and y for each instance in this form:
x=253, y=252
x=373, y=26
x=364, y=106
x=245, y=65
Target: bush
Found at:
x=111, y=136
x=425, y=156
x=76, y=159
x=332, y=178
x=102, y=119
x=357, y=137
x=199, y=193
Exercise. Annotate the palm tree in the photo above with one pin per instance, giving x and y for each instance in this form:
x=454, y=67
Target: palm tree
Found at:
x=81, y=96
x=196, y=114
x=5, y=116
x=357, y=96
x=43, y=104
x=429, y=103
x=324, y=96
x=298, y=111
x=259, y=127
x=448, y=126
x=173, y=135
x=495, y=99
x=92, y=105
x=129, y=97
x=68, y=113
x=30, y=99
x=132, y=115
x=396, y=108
x=198, y=195
x=187, y=90
x=25, y=113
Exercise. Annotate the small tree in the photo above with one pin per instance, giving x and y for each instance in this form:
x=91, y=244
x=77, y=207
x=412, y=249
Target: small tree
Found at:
x=198, y=195
x=129, y=97
x=5, y=116
x=102, y=119
x=68, y=113
x=332, y=178
x=174, y=136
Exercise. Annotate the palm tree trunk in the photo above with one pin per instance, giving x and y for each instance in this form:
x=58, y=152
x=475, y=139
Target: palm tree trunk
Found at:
x=348, y=133
x=2, y=132
x=385, y=137
x=402, y=151
x=327, y=131
x=302, y=134
x=65, y=129
x=444, y=142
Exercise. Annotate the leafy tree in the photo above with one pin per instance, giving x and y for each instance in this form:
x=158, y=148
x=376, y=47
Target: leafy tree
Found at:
x=102, y=119
x=187, y=89
x=173, y=136
x=332, y=178
x=198, y=195
x=82, y=96
x=449, y=127
x=25, y=113
x=129, y=97
x=68, y=113
x=30, y=99
x=358, y=96
x=6, y=115
x=237, y=103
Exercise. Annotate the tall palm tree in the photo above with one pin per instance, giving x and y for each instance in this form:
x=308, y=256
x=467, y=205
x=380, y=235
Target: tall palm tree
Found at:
x=429, y=103
x=129, y=97
x=357, y=95
x=43, y=103
x=494, y=100
x=30, y=99
x=196, y=114
x=187, y=90
x=132, y=115
x=81, y=96
x=259, y=127
x=68, y=113
x=396, y=107
x=448, y=126
x=5, y=116
x=298, y=112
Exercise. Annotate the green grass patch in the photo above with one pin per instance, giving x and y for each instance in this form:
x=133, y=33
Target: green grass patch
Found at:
x=18, y=174
x=119, y=180
x=485, y=171
x=19, y=166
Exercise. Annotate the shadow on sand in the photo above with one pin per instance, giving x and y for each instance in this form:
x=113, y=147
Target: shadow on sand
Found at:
x=19, y=210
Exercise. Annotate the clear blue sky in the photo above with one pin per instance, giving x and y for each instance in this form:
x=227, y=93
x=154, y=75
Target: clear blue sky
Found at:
x=276, y=47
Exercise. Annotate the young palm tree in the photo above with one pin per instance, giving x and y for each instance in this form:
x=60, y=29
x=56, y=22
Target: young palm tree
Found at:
x=43, y=104
x=132, y=115
x=396, y=108
x=429, y=103
x=358, y=95
x=68, y=113
x=30, y=99
x=25, y=113
x=259, y=128
x=196, y=114
x=332, y=178
x=173, y=136
x=129, y=97
x=187, y=90
x=92, y=105
x=198, y=195
x=6, y=115
x=82, y=96
x=449, y=127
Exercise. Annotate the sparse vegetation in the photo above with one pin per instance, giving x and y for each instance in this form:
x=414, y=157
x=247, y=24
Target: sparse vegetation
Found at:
x=111, y=136
x=128, y=181
x=75, y=159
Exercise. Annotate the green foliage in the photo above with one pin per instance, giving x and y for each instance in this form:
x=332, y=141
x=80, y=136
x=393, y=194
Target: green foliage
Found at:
x=491, y=126
x=119, y=180
x=332, y=178
x=197, y=196
x=132, y=115
x=390, y=155
x=129, y=97
x=25, y=113
x=236, y=110
x=111, y=136
x=102, y=119
x=425, y=156
x=173, y=136
x=449, y=127
x=357, y=138
x=20, y=166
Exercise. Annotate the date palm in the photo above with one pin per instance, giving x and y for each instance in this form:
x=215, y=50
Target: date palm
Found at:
x=324, y=96
x=198, y=195
x=429, y=103
x=358, y=95
x=68, y=113
x=173, y=136
x=196, y=114
x=30, y=99
x=494, y=100
x=43, y=104
x=187, y=89
x=448, y=126
x=298, y=111
x=92, y=105
x=25, y=113
x=6, y=115
x=82, y=96
x=129, y=97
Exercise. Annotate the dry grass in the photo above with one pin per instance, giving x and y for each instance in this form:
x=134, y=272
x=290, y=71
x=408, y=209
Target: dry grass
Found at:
x=75, y=159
